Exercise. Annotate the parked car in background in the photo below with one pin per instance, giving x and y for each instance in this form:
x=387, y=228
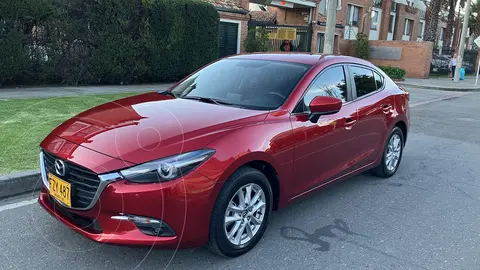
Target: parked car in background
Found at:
x=206, y=162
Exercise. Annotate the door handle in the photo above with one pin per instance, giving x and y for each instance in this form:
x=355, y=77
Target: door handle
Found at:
x=386, y=108
x=349, y=122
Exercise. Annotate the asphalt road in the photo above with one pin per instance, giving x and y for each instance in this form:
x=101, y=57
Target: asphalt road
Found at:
x=425, y=217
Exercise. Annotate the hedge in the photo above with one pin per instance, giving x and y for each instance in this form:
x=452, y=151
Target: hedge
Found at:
x=104, y=41
x=395, y=73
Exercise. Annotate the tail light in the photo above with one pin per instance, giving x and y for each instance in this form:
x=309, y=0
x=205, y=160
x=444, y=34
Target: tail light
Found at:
x=407, y=94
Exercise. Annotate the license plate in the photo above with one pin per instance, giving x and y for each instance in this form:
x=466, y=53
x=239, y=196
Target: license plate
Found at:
x=60, y=190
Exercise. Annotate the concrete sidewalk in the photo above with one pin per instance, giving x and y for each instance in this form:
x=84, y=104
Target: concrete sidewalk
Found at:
x=442, y=84
x=63, y=91
x=445, y=84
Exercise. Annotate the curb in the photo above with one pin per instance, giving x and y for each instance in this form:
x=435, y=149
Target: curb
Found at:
x=434, y=87
x=19, y=183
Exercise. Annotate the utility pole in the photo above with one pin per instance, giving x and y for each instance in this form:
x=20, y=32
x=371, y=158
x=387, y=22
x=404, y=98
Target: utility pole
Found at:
x=330, y=27
x=462, y=41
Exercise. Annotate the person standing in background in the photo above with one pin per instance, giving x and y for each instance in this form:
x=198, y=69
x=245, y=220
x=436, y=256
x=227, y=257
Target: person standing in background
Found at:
x=453, y=65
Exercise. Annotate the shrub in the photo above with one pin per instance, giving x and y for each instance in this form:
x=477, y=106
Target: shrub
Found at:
x=22, y=50
x=361, y=46
x=107, y=42
x=395, y=73
x=257, y=40
x=183, y=36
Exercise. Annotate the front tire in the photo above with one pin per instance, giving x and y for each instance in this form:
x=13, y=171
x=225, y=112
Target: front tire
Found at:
x=392, y=154
x=241, y=213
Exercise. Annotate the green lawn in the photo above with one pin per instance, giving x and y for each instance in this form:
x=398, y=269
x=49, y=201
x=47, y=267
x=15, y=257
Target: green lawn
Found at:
x=25, y=122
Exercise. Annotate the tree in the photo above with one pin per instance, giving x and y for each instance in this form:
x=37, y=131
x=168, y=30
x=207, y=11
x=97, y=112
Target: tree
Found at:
x=431, y=23
x=474, y=22
x=448, y=34
x=257, y=40
x=362, y=50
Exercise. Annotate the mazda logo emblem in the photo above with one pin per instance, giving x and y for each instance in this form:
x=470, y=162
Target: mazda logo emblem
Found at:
x=60, y=167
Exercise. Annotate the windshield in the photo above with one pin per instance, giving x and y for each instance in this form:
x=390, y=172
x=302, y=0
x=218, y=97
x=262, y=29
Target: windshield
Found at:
x=248, y=83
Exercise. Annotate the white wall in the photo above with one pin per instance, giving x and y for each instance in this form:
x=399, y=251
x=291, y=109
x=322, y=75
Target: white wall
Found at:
x=350, y=32
x=254, y=7
x=373, y=34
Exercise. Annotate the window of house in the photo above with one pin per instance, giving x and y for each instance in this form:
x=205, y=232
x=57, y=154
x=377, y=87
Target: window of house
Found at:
x=364, y=81
x=352, y=15
x=442, y=30
x=420, y=30
x=331, y=83
x=423, y=14
x=323, y=7
x=393, y=8
x=374, y=20
x=391, y=23
x=408, y=27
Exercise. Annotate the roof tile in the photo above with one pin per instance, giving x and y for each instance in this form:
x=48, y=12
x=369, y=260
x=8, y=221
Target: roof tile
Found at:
x=226, y=4
x=264, y=16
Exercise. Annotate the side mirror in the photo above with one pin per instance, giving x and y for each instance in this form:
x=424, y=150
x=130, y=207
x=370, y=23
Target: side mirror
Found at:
x=323, y=105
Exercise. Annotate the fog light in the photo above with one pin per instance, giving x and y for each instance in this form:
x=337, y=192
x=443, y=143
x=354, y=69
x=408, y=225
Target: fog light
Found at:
x=147, y=225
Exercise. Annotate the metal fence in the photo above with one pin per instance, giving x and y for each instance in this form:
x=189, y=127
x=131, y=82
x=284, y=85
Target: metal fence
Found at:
x=441, y=60
x=302, y=42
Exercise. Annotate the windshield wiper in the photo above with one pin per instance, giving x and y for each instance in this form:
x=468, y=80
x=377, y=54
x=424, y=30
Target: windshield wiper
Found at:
x=167, y=93
x=210, y=100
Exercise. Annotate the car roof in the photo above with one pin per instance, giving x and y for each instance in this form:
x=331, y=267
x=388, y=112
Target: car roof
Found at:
x=302, y=58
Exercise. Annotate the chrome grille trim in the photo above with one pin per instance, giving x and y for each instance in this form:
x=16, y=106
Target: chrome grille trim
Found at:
x=43, y=171
x=103, y=181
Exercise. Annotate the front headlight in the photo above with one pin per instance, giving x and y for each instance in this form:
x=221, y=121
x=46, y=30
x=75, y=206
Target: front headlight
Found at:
x=167, y=169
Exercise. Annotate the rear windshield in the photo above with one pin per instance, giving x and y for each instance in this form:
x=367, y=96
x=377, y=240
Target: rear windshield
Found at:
x=247, y=83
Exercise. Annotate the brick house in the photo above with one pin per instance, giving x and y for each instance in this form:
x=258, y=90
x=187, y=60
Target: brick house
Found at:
x=379, y=19
x=301, y=13
x=233, y=26
x=404, y=22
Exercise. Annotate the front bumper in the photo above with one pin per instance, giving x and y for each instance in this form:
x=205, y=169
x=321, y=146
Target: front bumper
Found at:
x=184, y=204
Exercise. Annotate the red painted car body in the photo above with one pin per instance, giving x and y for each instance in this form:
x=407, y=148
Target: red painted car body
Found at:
x=297, y=155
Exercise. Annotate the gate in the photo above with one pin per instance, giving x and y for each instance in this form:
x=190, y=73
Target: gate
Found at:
x=440, y=61
x=227, y=38
x=302, y=43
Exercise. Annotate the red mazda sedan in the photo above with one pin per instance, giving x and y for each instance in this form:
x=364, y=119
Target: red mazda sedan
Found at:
x=208, y=160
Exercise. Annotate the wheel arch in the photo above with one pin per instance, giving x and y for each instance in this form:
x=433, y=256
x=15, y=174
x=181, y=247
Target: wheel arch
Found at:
x=403, y=126
x=262, y=162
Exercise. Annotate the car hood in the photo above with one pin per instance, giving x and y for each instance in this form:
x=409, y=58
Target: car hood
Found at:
x=151, y=126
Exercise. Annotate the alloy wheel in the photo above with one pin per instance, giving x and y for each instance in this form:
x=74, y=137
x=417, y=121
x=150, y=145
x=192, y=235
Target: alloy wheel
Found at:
x=245, y=214
x=393, y=152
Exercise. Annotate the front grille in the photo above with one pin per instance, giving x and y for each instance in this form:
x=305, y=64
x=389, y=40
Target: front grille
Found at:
x=84, y=182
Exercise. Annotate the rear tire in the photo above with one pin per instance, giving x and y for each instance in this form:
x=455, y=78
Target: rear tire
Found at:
x=392, y=154
x=236, y=230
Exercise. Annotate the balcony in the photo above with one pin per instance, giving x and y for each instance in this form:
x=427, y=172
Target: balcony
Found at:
x=377, y=3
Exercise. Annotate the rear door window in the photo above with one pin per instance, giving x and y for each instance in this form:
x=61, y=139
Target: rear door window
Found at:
x=364, y=80
x=378, y=80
